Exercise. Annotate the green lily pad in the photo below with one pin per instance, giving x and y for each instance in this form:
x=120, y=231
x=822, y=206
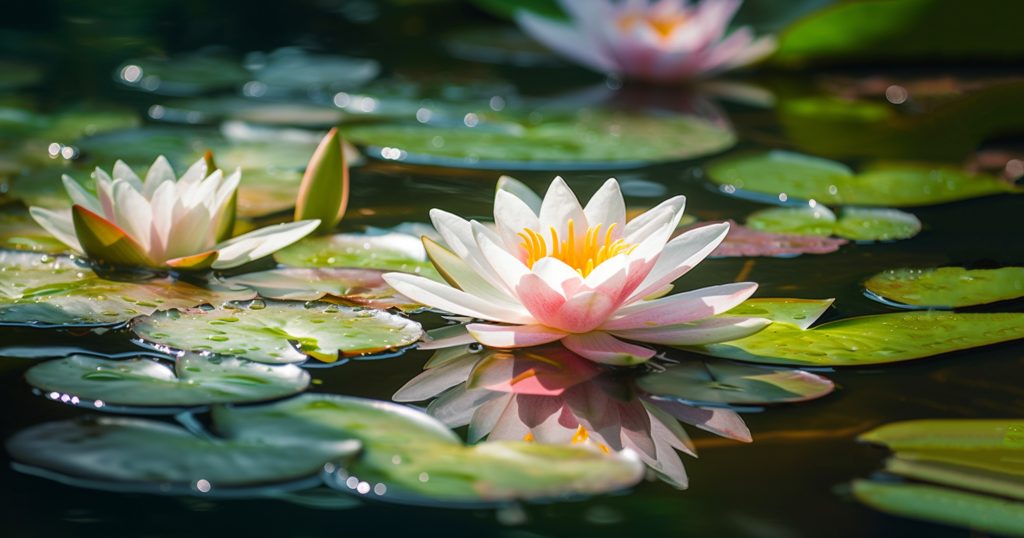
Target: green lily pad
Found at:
x=943, y=505
x=182, y=75
x=277, y=331
x=215, y=109
x=705, y=382
x=18, y=231
x=995, y=445
x=946, y=287
x=409, y=457
x=358, y=287
x=41, y=290
x=145, y=456
x=588, y=139
x=391, y=251
x=957, y=475
x=858, y=224
x=785, y=176
x=876, y=339
x=194, y=380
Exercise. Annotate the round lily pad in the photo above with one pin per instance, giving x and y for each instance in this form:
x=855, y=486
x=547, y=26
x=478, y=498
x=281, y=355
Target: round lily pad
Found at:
x=391, y=251
x=876, y=339
x=747, y=242
x=194, y=380
x=293, y=70
x=589, y=139
x=409, y=457
x=710, y=383
x=213, y=109
x=360, y=287
x=278, y=331
x=136, y=455
x=946, y=287
x=781, y=176
x=41, y=290
x=858, y=224
x=182, y=75
x=800, y=220
x=18, y=231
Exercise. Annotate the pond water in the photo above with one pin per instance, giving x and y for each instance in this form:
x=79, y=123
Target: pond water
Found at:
x=792, y=480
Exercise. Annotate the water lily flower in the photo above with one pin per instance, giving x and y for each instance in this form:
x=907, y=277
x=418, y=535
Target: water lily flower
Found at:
x=550, y=395
x=163, y=222
x=552, y=270
x=659, y=40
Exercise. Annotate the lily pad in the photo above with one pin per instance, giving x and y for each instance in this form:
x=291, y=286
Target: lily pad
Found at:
x=391, y=251
x=710, y=383
x=194, y=380
x=293, y=70
x=590, y=139
x=859, y=224
x=41, y=290
x=18, y=231
x=359, y=287
x=742, y=241
x=135, y=455
x=982, y=513
x=876, y=339
x=785, y=177
x=183, y=75
x=277, y=331
x=214, y=109
x=946, y=287
x=409, y=457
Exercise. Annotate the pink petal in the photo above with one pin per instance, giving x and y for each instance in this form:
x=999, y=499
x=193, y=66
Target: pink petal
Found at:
x=720, y=421
x=682, y=308
x=434, y=294
x=585, y=311
x=680, y=255
x=699, y=333
x=606, y=349
x=566, y=41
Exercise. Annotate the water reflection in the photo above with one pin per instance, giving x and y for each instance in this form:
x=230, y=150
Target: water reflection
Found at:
x=550, y=395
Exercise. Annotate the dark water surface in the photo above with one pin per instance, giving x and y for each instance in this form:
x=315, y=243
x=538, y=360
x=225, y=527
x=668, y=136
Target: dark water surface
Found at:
x=791, y=481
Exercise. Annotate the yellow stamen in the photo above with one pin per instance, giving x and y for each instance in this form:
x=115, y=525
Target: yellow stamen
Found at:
x=580, y=436
x=664, y=24
x=583, y=256
x=528, y=437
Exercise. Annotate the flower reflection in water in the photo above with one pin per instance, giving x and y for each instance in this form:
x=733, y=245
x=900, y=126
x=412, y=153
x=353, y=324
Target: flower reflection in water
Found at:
x=551, y=395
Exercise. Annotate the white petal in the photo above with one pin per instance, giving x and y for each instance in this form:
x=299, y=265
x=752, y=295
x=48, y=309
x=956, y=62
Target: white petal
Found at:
x=132, y=212
x=505, y=265
x=677, y=204
x=458, y=235
x=262, y=242
x=123, y=171
x=158, y=173
x=520, y=190
x=680, y=255
x=511, y=336
x=80, y=196
x=699, y=333
x=60, y=225
x=607, y=207
x=512, y=216
x=444, y=297
x=606, y=349
x=558, y=208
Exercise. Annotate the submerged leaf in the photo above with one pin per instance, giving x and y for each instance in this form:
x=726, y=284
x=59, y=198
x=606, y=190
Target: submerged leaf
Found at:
x=361, y=287
x=785, y=176
x=390, y=251
x=194, y=380
x=41, y=290
x=585, y=140
x=946, y=287
x=278, y=332
x=706, y=382
x=410, y=457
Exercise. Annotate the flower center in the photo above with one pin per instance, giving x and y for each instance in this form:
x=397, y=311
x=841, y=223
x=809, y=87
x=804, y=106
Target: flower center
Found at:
x=583, y=256
x=663, y=24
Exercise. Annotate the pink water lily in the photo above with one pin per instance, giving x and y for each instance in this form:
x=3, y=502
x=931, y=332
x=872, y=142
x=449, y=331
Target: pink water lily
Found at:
x=655, y=40
x=552, y=270
x=163, y=222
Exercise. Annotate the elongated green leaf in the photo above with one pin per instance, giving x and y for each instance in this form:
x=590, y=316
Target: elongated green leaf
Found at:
x=957, y=476
x=979, y=512
x=194, y=380
x=324, y=191
x=278, y=332
x=720, y=382
x=946, y=287
x=874, y=339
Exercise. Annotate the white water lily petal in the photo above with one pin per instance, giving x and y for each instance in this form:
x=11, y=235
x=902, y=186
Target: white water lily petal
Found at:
x=512, y=336
x=132, y=212
x=682, y=308
x=680, y=255
x=512, y=216
x=80, y=196
x=58, y=224
x=698, y=333
x=558, y=208
x=159, y=172
x=458, y=235
x=431, y=293
x=124, y=172
x=260, y=243
x=607, y=208
x=520, y=190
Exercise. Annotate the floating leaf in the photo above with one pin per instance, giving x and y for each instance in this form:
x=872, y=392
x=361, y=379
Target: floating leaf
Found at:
x=361, y=287
x=135, y=455
x=214, y=109
x=799, y=312
x=194, y=380
x=278, y=332
x=946, y=287
x=859, y=224
x=324, y=191
x=18, y=231
x=706, y=382
x=745, y=242
x=410, y=457
x=185, y=74
x=784, y=176
x=958, y=475
x=392, y=251
x=876, y=339
x=931, y=503
x=589, y=139
x=41, y=290
x=995, y=445
x=293, y=70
